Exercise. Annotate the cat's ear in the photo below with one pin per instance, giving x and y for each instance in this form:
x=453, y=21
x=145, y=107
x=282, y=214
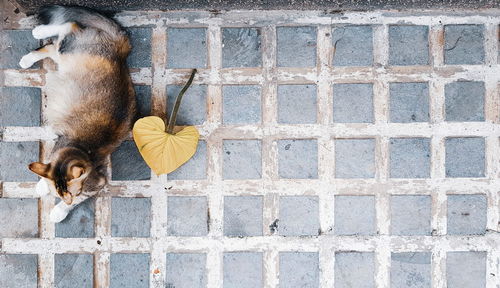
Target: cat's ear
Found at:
x=40, y=169
x=76, y=171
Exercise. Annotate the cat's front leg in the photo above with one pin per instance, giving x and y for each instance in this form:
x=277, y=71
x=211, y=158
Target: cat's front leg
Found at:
x=47, y=51
x=61, y=210
x=42, y=188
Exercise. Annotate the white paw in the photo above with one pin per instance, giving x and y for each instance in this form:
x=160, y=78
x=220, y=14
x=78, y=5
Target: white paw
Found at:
x=42, y=32
x=42, y=188
x=58, y=214
x=27, y=61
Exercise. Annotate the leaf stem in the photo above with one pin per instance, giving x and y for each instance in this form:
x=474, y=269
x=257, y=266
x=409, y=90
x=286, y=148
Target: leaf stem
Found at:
x=173, y=116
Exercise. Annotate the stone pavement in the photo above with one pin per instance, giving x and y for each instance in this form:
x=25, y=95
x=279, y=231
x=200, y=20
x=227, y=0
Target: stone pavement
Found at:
x=357, y=149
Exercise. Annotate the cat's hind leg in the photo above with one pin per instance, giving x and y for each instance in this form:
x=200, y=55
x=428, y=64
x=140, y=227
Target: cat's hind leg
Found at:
x=51, y=30
x=47, y=51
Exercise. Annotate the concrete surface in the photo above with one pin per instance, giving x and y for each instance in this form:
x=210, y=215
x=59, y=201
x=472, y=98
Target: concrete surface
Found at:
x=74, y=270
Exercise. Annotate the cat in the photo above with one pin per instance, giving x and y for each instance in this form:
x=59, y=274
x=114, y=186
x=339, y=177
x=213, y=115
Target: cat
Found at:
x=90, y=101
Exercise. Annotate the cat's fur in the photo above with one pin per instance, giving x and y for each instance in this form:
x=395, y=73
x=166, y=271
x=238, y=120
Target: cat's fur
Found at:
x=91, y=102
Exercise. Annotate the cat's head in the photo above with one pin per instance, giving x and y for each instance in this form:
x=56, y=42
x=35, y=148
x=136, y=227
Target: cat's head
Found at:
x=66, y=173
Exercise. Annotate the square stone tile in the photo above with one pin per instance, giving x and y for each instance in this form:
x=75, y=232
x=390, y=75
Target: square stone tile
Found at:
x=20, y=106
x=411, y=269
x=355, y=158
x=464, y=101
x=186, y=270
x=15, y=158
x=243, y=216
x=298, y=158
x=299, y=216
x=353, y=103
x=14, y=45
x=127, y=163
x=299, y=269
x=242, y=159
x=353, y=46
x=73, y=270
x=409, y=102
x=408, y=45
x=241, y=104
x=296, y=46
x=297, y=104
x=140, y=39
x=129, y=270
x=143, y=97
x=186, y=47
x=80, y=221
x=193, y=109
x=195, y=168
x=465, y=157
x=410, y=157
x=467, y=214
x=130, y=217
x=355, y=215
x=18, y=217
x=187, y=216
x=242, y=270
x=354, y=269
x=464, y=44
x=241, y=47
x=411, y=215
x=18, y=270
x=466, y=269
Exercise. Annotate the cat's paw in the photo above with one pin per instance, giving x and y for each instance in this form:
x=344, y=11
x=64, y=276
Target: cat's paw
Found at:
x=27, y=61
x=42, y=188
x=58, y=214
x=42, y=32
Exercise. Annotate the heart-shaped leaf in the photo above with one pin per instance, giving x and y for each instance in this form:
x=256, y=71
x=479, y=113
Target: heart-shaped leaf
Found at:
x=164, y=152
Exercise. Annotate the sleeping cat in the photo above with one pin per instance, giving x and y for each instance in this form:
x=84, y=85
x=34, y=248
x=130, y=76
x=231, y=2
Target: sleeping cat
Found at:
x=90, y=102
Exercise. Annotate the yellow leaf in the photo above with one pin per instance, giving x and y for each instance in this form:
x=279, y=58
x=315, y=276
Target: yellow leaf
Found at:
x=164, y=152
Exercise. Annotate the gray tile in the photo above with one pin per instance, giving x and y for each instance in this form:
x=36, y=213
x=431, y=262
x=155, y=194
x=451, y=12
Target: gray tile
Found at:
x=129, y=270
x=466, y=269
x=410, y=157
x=299, y=269
x=15, y=158
x=74, y=270
x=193, y=107
x=464, y=44
x=467, y=214
x=18, y=217
x=187, y=216
x=299, y=216
x=186, y=270
x=241, y=47
x=143, y=96
x=354, y=269
x=465, y=157
x=195, y=168
x=241, y=104
x=409, y=102
x=464, y=101
x=353, y=103
x=243, y=216
x=297, y=104
x=20, y=106
x=127, y=163
x=296, y=46
x=79, y=223
x=140, y=39
x=14, y=45
x=353, y=46
x=355, y=158
x=18, y=270
x=242, y=159
x=298, y=158
x=243, y=270
x=410, y=215
x=186, y=48
x=411, y=270
x=355, y=215
x=408, y=45
x=130, y=217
